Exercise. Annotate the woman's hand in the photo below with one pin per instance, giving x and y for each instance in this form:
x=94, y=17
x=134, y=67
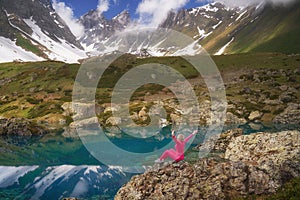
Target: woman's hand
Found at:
x=194, y=132
x=173, y=133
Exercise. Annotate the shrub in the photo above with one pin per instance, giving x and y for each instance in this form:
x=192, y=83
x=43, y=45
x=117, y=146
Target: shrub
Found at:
x=9, y=108
x=33, y=101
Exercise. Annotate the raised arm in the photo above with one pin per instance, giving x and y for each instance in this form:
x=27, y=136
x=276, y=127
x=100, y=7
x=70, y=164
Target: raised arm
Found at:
x=173, y=136
x=190, y=136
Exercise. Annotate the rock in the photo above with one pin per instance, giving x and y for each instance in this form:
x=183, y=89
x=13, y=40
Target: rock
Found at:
x=272, y=102
x=89, y=122
x=143, y=116
x=67, y=107
x=5, y=81
x=69, y=132
x=62, y=121
x=291, y=115
x=134, y=116
x=114, y=131
x=246, y=90
x=220, y=142
x=175, y=118
x=255, y=115
x=33, y=76
x=111, y=109
x=292, y=79
x=286, y=97
x=284, y=87
x=233, y=119
x=81, y=110
x=256, y=164
x=297, y=71
x=113, y=121
x=33, y=89
x=269, y=153
x=20, y=127
x=255, y=126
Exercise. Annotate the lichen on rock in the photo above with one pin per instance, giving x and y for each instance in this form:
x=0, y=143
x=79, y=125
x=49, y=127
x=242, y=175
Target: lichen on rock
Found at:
x=254, y=164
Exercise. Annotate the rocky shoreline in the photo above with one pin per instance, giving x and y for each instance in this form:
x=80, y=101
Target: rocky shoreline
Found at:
x=21, y=127
x=255, y=164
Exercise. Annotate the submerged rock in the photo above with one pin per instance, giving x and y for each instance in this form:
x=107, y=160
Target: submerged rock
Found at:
x=254, y=164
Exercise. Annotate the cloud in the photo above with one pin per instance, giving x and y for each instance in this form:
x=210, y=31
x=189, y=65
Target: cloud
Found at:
x=66, y=13
x=153, y=12
x=244, y=3
x=103, y=6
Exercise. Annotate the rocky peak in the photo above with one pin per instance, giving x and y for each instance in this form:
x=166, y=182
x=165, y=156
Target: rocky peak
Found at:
x=98, y=28
x=123, y=18
x=92, y=19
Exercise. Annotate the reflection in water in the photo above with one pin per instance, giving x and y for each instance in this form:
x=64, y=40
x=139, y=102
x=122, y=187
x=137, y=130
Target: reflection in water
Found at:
x=57, y=181
x=52, y=167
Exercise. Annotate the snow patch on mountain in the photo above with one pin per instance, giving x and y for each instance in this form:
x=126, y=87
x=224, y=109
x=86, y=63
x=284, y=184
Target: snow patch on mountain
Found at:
x=209, y=8
x=59, y=50
x=222, y=50
x=241, y=15
x=202, y=33
x=10, y=52
x=190, y=50
x=215, y=26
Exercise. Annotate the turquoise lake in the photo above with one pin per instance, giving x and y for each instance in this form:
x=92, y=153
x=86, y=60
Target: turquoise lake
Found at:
x=53, y=166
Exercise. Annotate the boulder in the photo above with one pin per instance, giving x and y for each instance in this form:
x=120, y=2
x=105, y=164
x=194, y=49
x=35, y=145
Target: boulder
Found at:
x=220, y=142
x=143, y=116
x=113, y=121
x=255, y=115
x=284, y=87
x=88, y=122
x=291, y=115
x=233, y=119
x=286, y=97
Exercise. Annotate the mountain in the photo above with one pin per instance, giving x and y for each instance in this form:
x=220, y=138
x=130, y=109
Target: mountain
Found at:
x=260, y=28
x=98, y=28
x=264, y=27
x=31, y=30
x=55, y=182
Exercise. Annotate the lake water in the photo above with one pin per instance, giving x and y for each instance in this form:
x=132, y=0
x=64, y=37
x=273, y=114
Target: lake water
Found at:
x=52, y=166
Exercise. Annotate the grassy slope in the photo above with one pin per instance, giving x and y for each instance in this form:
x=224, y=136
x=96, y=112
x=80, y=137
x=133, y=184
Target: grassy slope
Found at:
x=26, y=44
x=276, y=30
x=37, y=90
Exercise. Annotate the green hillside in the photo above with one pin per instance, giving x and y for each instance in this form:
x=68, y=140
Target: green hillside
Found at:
x=272, y=28
x=38, y=90
x=276, y=30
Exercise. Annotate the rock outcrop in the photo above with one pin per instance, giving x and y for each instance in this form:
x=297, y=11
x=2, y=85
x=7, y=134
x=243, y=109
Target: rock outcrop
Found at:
x=220, y=142
x=291, y=115
x=20, y=127
x=254, y=164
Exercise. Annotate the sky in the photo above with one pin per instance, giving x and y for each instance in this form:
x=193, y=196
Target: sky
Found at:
x=81, y=7
x=146, y=12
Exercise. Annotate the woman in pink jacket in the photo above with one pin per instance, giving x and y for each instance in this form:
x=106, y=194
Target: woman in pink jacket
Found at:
x=177, y=154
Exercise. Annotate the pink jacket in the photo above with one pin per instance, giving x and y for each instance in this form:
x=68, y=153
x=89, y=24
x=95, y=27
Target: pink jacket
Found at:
x=179, y=147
